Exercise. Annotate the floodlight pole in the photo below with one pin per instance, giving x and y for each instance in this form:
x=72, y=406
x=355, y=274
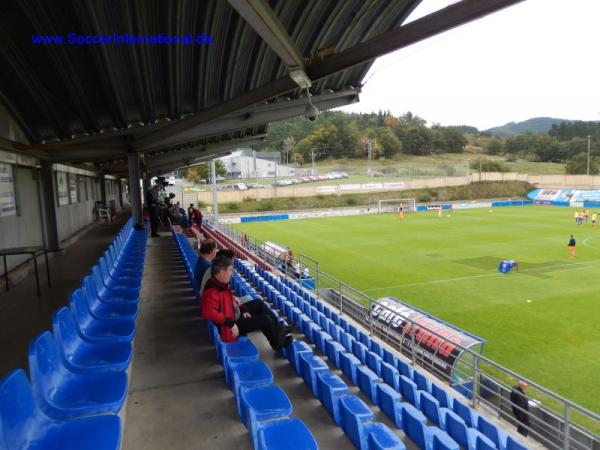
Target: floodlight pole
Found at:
x=588, y=156
x=369, y=152
x=312, y=153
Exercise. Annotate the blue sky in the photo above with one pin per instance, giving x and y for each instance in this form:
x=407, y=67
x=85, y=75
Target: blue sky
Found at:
x=537, y=58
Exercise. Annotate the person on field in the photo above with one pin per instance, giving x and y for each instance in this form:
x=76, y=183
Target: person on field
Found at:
x=520, y=407
x=594, y=217
x=400, y=211
x=571, y=246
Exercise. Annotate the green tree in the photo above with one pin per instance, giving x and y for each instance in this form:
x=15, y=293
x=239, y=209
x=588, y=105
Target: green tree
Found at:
x=454, y=140
x=578, y=165
x=494, y=146
x=389, y=142
x=202, y=172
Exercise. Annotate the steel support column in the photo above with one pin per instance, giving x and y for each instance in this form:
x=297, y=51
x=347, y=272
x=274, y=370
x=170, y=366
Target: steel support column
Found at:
x=133, y=162
x=48, y=206
x=102, y=178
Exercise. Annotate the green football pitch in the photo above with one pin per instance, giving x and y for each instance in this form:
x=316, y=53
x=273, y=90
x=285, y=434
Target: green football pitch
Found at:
x=542, y=322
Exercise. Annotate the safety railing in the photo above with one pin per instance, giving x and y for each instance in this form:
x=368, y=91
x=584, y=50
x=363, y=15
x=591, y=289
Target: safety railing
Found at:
x=554, y=421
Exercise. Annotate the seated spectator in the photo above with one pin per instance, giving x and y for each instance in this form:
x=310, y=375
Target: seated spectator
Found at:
x=232, y=319
x=208, y=251
x=176, y=217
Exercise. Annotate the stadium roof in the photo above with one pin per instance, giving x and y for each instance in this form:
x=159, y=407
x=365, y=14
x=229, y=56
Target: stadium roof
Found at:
x=181, y=104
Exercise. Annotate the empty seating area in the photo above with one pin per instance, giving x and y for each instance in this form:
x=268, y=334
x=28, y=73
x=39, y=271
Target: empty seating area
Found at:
x=78, y=371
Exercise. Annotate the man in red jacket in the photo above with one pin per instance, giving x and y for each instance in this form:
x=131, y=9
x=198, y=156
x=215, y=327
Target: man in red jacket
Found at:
x=232, y=319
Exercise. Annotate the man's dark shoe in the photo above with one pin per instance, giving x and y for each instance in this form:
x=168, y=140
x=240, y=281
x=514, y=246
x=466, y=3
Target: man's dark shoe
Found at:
x=284, y=342
x=155, y=235
x=286, y=329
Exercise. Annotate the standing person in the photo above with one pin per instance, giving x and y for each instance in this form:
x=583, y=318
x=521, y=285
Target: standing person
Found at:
x=520, y=407
x=195, y=215
x=234, y=320
x=594, y=217
x=400, y=211
x=571, y=246
x=586, y=214
x=153, y=203
x=577, y=217
x=208, y=251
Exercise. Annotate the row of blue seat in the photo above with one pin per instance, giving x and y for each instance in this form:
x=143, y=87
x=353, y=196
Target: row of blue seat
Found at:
x=78, y=371
x=263, y=406
x=374, y=368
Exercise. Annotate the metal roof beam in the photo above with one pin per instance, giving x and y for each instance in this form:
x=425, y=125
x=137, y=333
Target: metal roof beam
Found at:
x=438, y=22
x=181, y=156
x=425, y=27
x=259, y=15
x=260, y=115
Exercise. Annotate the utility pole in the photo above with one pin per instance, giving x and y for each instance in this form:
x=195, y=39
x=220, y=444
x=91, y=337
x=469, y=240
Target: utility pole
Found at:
x=369, y=153
x=255, y=175
x=588, y=159
x=213, y=182
x=312, y=153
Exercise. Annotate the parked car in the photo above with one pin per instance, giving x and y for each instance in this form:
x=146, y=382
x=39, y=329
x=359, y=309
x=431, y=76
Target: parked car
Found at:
x=240, y=186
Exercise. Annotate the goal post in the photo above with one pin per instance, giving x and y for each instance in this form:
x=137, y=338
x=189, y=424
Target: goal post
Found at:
x=393, y=205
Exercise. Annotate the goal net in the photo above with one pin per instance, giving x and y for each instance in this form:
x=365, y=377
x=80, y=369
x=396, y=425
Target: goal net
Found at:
x=393, y=205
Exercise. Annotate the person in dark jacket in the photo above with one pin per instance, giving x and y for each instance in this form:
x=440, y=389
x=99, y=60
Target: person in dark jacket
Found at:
x=231, y=318
x=520, y=407
x=153, y=203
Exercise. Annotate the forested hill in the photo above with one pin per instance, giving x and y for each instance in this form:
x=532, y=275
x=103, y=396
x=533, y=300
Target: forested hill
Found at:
x=534, y=126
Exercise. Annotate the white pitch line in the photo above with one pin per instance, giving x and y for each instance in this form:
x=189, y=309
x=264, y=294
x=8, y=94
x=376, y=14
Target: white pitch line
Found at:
x=446, y=280
x=585, y=241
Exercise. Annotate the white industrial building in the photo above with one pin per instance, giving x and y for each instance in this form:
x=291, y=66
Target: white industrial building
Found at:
x=244, y=164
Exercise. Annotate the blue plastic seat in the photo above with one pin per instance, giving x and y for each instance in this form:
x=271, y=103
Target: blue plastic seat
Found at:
x=374, y=362
x=404, y=369
x=102, y=310
x=346, y=339
x=310, y=365
x=390, y=358
x=390, y=375
x=349, y=364
x=408, y=389
x=457, y=429
x=119, y=277
x=24, y=427
x=430, y=407
x=95, y=330
x=423, y=384
x=352, y=412
x=415, y=426
x=380, y=437
x=376, y=348
x=441, y=396
x=248, y=374
x=465, y=413
x=365, y=339
x=390, y=402
x=295, y=350
x=112, y=294
x=321, y=338
x=360, y=351
x=121, y=287
x=367, y=381
x=365, y=434
x=286, y=434
x=62, y=394
x=331, y=388
x=513, y=444
x=263, y=403
x=333, y=350
x=489, y=430
x=81, y=356
x=105, y=295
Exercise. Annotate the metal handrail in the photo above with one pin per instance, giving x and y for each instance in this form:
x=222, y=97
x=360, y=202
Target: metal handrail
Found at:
x=358, y=306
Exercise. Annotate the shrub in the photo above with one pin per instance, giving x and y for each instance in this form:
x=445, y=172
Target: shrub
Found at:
x=232, y=206
x=350, y=201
